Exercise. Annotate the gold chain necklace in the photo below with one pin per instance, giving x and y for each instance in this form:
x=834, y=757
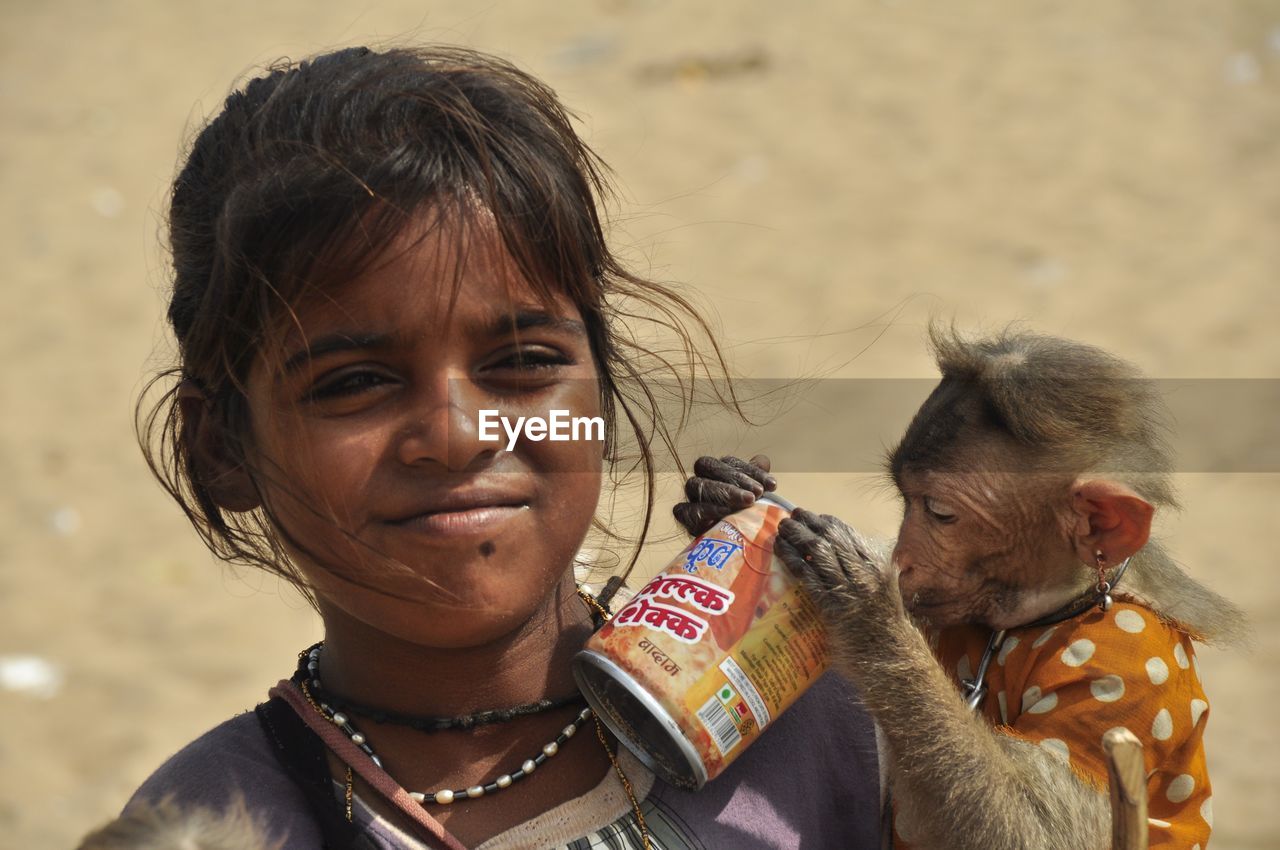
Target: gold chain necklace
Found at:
x=626, y=785
x=603, y=615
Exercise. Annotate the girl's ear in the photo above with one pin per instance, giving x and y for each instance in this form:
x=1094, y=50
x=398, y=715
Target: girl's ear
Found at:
x=1109, y=518
x=213, y=466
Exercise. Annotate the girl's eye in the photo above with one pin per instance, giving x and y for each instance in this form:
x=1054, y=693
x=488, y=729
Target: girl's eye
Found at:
x=345, y=384
x=528, y=364
x=939, y=511
x=536, y=359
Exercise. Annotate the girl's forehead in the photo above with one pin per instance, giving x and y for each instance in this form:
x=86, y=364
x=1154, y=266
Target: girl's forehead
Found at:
x=435, y=272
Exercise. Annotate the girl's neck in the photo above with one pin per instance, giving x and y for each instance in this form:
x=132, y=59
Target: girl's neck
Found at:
x=528, y=664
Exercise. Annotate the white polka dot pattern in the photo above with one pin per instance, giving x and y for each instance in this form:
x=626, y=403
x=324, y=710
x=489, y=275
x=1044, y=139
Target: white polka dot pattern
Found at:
x=1009, y=645
x=1157, y=671
x=1078, y=652
x=1034, y=703
x=1180, y=788
x=1130, y=621
x=1139, y=675
x=1162, y=726
x=1044, y=637
x=1107, y=689
x=1058, y=747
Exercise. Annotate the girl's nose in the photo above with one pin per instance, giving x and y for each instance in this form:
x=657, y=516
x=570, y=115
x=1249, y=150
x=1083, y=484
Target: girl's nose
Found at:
x=441, y=429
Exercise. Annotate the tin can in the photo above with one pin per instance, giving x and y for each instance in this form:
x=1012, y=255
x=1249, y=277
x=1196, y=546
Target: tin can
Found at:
x=707, y=654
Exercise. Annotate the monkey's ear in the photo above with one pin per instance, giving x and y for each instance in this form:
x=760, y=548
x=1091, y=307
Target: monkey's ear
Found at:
x=213, y=465
x=1109, y=518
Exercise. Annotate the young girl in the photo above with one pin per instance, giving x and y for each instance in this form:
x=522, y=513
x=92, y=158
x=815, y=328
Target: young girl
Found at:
x=369, y=249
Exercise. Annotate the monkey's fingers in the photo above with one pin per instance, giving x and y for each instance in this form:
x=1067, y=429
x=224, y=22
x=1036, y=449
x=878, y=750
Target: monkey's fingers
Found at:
x=817, y=556
x=763, y=462
x=794, y=560
x=757, y=468
x=818, y=524
x=855, y=569
x=820, y=580
x=845, y=541
x=721, y=486
x=698, y=517
x=701, y=490
x=745, y=474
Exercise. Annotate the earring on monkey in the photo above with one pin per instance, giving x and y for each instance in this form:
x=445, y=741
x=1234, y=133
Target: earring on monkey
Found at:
x=1104, y=586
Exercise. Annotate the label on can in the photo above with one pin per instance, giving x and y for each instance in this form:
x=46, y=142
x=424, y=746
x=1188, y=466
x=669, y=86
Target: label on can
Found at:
x=723, y=638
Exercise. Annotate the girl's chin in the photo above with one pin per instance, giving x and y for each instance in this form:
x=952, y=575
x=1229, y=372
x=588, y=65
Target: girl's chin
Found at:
x=459, y=629
x=469, y=602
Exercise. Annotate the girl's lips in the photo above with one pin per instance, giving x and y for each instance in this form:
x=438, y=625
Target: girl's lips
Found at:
x=484, y=519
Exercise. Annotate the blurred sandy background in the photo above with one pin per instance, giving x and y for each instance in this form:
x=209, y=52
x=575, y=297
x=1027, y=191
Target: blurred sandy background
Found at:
x=1103, y=170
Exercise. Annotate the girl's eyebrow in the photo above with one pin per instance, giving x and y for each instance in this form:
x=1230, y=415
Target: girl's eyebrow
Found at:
x=525, y=319
x=505, y=324
x=330, y=343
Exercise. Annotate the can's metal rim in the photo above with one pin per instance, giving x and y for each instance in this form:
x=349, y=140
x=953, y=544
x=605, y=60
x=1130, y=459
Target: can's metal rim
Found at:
x=652, y=705
x=775, y=499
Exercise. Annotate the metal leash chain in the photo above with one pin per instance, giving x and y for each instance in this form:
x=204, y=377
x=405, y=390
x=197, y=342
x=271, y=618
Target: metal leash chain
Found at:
x=974, y=690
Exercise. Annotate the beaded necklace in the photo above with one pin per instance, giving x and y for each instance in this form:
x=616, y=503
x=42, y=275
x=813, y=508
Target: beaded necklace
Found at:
x=311, y=686
x=308, y=670
x=443, y=796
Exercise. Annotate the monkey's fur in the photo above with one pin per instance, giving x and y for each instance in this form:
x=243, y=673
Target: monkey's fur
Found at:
x=168, y=826
x=1080, y=411
x=1027, y=423
x=1058, y=411
x=956, y=784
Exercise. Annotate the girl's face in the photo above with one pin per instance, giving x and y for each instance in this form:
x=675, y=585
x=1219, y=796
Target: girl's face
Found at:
x=366, y=438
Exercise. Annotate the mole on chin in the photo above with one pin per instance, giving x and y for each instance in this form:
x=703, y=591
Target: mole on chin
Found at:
x=487, y=548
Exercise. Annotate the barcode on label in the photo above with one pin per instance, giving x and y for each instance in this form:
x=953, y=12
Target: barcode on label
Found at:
x=720, y=725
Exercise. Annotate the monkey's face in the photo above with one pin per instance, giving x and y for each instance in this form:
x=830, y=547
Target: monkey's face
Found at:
x=988, y=547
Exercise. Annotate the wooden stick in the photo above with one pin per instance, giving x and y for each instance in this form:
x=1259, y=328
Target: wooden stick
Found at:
x=1128, y=780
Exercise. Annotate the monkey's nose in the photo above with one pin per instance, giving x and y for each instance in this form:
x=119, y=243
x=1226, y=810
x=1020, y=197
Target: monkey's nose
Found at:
x=906, y=574
x=902, y=562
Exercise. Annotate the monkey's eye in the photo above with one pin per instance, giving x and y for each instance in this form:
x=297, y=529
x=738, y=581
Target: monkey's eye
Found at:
x=939, y=511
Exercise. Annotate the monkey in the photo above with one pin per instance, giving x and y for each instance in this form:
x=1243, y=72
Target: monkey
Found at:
x=1029, y=478
x=164, y=825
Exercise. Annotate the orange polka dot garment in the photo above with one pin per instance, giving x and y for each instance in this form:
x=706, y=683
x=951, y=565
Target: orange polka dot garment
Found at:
x=1064, y=686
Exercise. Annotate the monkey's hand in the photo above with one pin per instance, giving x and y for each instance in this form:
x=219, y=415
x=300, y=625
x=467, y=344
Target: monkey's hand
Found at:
x=719, y=487
x=845, y=576
x=957, y=784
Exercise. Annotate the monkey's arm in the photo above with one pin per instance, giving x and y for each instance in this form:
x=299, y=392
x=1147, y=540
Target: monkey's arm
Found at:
x=957, y=782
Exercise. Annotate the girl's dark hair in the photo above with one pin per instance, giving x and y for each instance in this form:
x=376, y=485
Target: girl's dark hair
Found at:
x=310, y=171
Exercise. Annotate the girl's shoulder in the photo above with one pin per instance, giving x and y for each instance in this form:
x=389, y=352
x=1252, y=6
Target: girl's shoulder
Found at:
x=233, y=761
